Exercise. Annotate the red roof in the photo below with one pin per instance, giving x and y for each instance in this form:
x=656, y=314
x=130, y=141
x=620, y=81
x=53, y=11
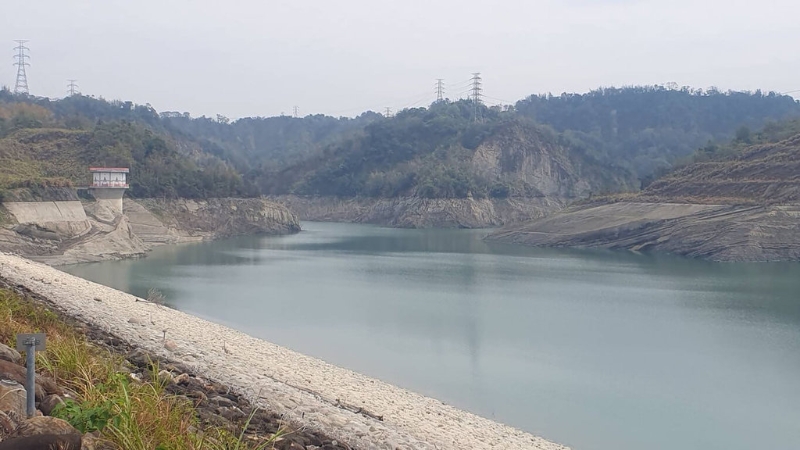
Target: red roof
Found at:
x=109, y=169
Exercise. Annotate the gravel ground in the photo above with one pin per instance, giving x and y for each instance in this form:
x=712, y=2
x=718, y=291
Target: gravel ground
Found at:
x=364, y=412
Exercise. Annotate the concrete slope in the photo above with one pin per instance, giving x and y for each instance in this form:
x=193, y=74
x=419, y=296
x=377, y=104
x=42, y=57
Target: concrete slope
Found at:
x=68, y=232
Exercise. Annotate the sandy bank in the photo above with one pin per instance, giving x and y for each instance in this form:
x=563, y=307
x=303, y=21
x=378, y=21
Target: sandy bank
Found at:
x=310, y=392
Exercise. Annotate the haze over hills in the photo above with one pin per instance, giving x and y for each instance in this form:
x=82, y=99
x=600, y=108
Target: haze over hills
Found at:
x=539, y=155
x=735, y=202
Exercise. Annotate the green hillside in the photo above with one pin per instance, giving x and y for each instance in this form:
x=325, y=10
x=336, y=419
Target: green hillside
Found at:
x=436, y=152
x=650, y=128
x=37, y=148
x=604, y=138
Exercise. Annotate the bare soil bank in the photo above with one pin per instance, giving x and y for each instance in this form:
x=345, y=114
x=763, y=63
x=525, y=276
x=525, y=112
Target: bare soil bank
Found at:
x=714, y=232
x=415, y=212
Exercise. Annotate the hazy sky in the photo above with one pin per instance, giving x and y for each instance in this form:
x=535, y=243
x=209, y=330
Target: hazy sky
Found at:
x=248, y=57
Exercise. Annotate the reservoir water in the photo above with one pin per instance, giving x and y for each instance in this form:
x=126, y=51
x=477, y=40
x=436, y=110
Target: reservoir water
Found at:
x=596, y=350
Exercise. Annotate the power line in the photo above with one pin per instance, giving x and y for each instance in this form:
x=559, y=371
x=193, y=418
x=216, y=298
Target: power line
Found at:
x=73, y=88
x=21, y=87
x=476, y=93
x=439, y=89
x=500, y=100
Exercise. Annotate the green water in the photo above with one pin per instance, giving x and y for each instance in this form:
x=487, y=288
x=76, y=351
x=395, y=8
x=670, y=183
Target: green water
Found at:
x=596, y=350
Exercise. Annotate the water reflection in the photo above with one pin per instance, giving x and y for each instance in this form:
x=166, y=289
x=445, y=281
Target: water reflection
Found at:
x=598, y=349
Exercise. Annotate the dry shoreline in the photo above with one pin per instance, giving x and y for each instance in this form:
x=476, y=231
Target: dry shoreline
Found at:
x=308, y=392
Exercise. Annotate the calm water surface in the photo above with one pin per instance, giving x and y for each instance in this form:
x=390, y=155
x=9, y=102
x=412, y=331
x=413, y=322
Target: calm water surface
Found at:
x=596, y=350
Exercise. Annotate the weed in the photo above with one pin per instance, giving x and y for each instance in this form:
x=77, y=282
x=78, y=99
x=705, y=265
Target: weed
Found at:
x=134, y=415
x=156, y=296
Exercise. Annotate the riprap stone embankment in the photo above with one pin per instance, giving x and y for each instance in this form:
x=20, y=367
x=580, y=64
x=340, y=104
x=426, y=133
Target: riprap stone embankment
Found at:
x=309, y=392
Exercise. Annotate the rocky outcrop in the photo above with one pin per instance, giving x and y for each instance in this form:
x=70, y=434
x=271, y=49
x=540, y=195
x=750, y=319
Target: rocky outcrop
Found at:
x=71, y=231
x=743, y=208
x=68, y=232
x=536, y=164
x=160, y=221
x=515, y=171
x=714, y=232
x=415, y=212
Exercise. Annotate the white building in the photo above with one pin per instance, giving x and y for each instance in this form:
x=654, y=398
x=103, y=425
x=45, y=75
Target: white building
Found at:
x=108, y=186
x=109, y=177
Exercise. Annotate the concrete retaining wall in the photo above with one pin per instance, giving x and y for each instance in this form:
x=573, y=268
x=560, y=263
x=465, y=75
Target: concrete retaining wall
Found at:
x=110, y=198
x=43, y=212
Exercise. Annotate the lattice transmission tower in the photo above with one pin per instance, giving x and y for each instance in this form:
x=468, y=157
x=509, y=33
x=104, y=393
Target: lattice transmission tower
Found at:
x=21, y=86
x=477, y=93
x=439, y=89
x=72, y=88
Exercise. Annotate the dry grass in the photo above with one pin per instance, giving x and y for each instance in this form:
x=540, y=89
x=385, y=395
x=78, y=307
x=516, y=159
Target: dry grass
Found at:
x=134, y=415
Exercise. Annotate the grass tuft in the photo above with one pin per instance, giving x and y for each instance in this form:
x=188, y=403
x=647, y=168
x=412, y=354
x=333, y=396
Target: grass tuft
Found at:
x=134, y=415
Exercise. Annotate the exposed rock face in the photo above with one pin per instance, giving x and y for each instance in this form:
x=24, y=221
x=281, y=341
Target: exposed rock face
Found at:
x=68, y=232
x=530, y=171
x=183, y=219
x=746, y=208
x=101, y=235
x=718, y=233
x=527, y=158
x=414, y=212
x=762, y=174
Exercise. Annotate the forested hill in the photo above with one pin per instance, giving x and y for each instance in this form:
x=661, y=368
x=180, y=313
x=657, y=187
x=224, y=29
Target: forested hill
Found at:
x=586, y=143
x=267, y=141
x=41, y=148
x=443, y=152
x=646, y=128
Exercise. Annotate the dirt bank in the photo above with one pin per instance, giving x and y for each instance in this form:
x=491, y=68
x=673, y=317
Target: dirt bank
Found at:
x=714, y=232
x=415, y=212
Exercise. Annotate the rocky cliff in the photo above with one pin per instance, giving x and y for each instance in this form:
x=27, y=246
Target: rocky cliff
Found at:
x=519, y=172
x=744, y=208
x=72, y=231
x=536, y=164
x=161, y=221
x=415, y=212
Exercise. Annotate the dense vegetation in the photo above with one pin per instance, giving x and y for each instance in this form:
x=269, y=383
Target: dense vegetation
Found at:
x=648, y=128
x=41, y=146
x=423, y=151
x=266, y=142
